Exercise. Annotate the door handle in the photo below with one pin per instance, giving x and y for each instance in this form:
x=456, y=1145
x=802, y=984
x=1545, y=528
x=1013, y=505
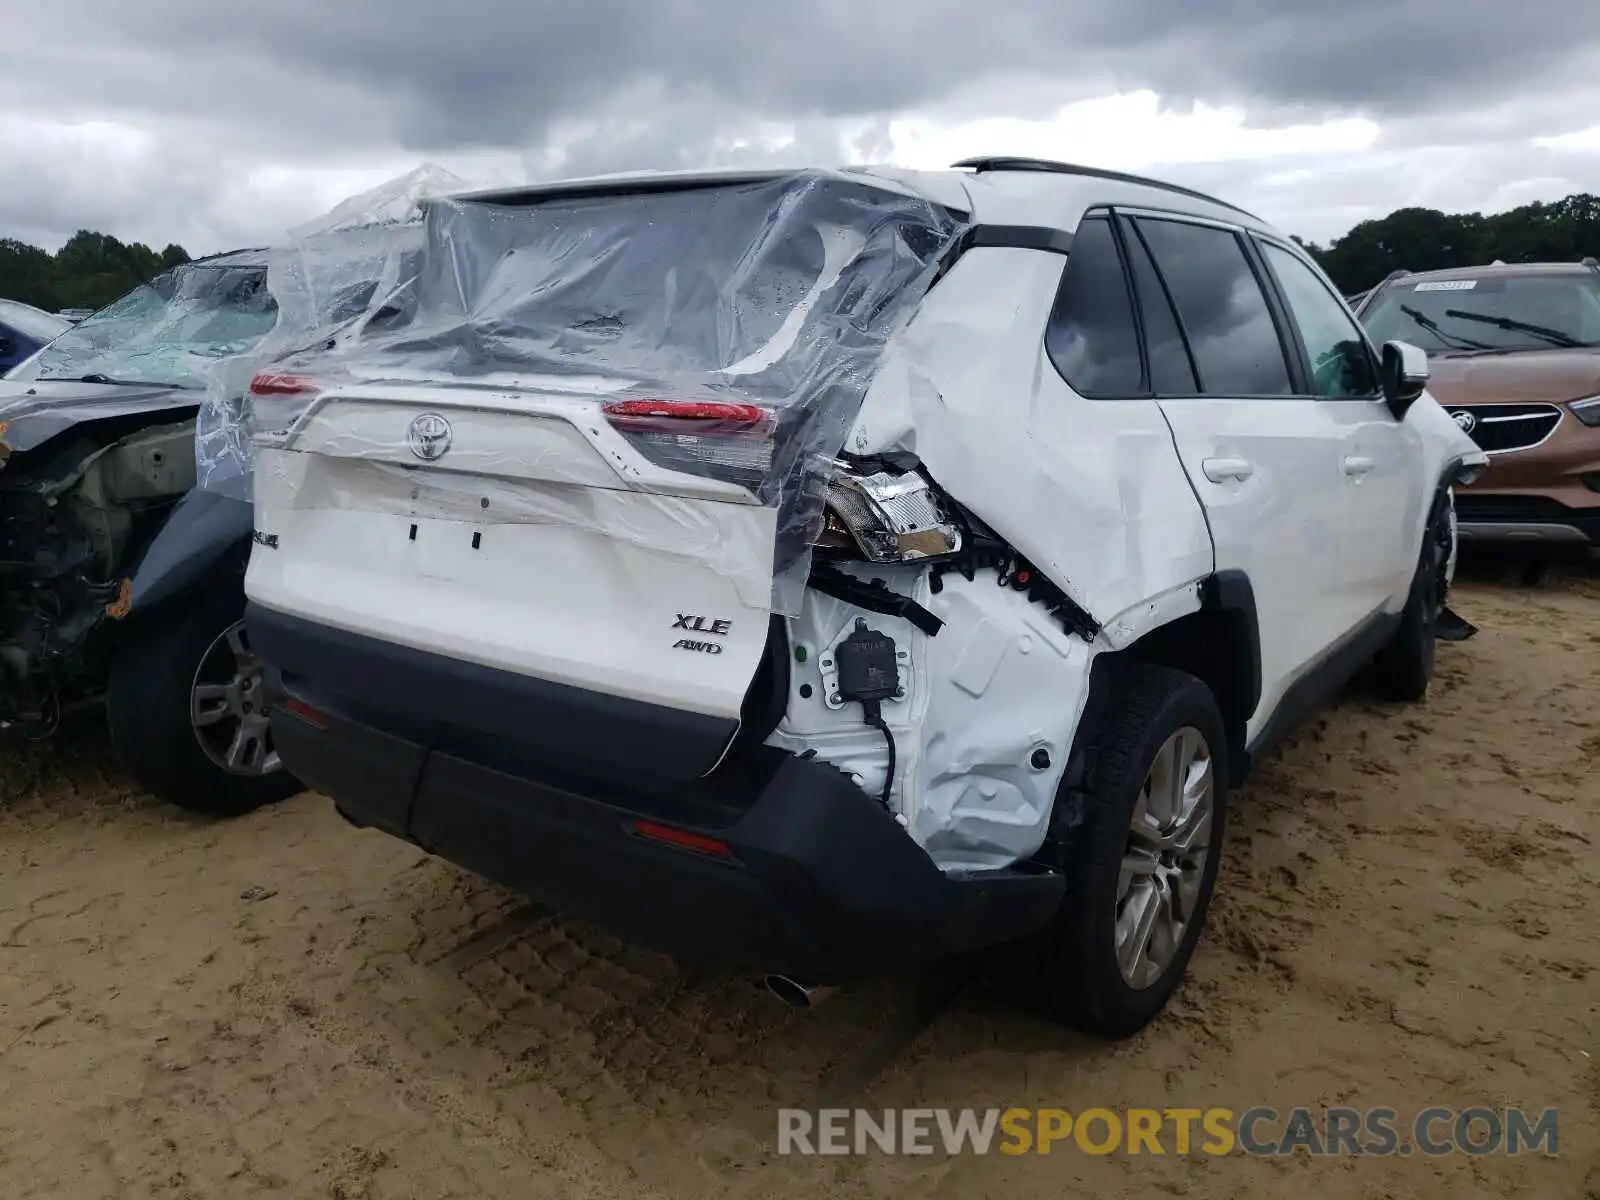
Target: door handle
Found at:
x=1220, y=469
x=1358, y=464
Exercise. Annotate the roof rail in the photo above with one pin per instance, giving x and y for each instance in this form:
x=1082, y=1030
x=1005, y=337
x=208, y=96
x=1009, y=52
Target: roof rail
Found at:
x=1000, y=162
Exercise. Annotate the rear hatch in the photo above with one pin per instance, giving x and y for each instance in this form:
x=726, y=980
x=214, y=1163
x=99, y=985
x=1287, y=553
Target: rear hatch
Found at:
x=591, y=457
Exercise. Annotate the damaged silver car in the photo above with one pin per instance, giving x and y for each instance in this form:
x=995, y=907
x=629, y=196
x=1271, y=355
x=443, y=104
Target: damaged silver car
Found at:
x=125, y=522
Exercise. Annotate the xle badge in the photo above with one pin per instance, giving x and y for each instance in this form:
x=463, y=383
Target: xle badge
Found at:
x=694, y=624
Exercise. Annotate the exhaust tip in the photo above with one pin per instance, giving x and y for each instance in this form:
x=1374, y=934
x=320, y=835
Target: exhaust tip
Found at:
x=796, y=994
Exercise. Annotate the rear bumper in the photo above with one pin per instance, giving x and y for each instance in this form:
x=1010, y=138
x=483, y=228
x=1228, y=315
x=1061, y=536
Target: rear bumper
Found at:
x=816, y=879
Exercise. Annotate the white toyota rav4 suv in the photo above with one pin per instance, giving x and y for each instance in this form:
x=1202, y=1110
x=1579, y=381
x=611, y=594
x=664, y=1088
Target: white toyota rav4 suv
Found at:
x=829, y=571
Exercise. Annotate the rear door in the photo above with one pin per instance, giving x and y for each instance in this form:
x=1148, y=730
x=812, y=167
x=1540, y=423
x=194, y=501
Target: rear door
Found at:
x=1262, y=456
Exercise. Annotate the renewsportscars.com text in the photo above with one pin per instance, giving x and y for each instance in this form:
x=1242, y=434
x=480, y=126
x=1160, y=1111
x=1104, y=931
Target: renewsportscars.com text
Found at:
x=1260, y=1131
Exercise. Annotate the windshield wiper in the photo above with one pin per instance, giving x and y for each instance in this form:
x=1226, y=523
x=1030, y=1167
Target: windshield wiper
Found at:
x=1554, y=336
x=1432, y=326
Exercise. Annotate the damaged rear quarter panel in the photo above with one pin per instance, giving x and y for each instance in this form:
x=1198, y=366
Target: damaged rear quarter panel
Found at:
x=1090, y=491
x=983, y=730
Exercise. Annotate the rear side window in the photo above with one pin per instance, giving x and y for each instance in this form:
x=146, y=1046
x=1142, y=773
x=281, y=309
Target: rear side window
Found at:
x=1091, y=337
x=1340, y=363
x=1171, y=372
x=1230, y=328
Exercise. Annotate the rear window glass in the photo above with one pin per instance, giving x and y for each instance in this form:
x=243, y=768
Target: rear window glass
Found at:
x=738, y=281
x=1500, y=312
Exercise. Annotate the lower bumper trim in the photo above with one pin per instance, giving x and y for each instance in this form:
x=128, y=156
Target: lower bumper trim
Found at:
x=1519, y=531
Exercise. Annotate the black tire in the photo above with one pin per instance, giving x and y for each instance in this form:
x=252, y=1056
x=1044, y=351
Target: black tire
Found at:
x=148, y=709
x=1403, y=669
x=1074, y=964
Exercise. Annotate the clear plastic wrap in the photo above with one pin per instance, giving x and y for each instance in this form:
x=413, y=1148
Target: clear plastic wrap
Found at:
x=335, y=279
x=396, y=202
x=721, y=331
x=174, y=331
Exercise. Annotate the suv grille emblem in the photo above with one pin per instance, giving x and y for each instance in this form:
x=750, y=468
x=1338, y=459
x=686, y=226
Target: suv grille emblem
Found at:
x=429, y=436
x=1466, y=420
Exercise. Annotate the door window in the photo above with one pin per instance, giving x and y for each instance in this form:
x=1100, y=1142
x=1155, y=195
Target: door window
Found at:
x=1341, y=364
x=1171, y=371
x=1231, y=333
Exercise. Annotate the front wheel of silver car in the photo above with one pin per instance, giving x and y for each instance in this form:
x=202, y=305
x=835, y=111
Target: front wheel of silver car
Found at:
x=1138, y=844
x=228, y=710
x=187, y=713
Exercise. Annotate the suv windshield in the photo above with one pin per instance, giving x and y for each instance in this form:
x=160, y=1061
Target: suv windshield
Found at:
x=1492, y=312
x=169, y=331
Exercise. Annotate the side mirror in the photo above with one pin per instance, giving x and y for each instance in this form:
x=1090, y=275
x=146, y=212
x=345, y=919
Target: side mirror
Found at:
x=1405, y=375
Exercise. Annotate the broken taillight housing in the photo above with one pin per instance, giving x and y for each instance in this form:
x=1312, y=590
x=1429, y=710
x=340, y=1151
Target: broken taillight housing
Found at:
x=886, y=518
x=275, y=400
x=717, y=439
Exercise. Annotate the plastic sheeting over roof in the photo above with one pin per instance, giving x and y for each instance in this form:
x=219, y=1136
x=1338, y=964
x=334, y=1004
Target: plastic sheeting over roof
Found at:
x=331, y=280
x=777, y=292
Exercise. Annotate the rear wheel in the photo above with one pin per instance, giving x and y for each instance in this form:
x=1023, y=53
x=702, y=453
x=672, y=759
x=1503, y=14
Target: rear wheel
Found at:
x=187, y=713
x=1139, y=849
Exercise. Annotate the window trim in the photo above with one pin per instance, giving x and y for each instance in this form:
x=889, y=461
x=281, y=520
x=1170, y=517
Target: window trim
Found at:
x=1259, y=241
x=1108, y=214
x=1292, y=361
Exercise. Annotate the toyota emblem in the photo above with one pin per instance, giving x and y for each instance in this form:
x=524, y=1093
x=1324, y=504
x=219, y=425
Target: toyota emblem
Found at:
x=1466, y=420
x=429, y=437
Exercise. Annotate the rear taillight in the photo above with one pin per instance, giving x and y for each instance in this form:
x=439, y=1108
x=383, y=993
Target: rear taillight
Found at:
x=274, y=401
x=885, y=518
x=712, y=438
x=267, y=384
x=683, y=839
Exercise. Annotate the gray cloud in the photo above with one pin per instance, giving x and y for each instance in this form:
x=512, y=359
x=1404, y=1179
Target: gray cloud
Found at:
x=505, y=72
x=619, y=84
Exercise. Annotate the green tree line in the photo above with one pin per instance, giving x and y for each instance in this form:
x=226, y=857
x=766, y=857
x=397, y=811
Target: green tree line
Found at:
x=1425, y=239
x=90, y=271
x=93, y=269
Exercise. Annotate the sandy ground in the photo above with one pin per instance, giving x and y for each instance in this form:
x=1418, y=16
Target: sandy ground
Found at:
x=284, y=1006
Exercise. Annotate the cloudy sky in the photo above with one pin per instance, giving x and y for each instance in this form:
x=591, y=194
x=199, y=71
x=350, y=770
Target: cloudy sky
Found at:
x=216, y=123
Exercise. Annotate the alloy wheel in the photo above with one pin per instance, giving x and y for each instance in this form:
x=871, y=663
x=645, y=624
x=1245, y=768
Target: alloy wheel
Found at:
x=1169, y=841
x=227, y=707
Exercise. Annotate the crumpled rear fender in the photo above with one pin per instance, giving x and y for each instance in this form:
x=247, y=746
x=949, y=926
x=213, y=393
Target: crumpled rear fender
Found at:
x=1092, y=492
